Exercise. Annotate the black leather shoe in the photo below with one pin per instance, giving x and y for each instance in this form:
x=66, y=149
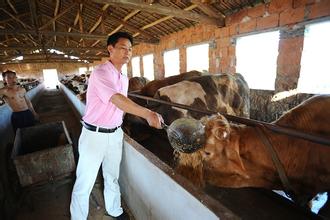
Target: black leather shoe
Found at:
x=123, y=216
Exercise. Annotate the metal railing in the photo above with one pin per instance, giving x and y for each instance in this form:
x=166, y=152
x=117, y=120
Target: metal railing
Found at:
x=275, y=128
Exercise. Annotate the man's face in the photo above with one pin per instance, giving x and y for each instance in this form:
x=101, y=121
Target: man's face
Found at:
x=122, y=51
x=10, y=79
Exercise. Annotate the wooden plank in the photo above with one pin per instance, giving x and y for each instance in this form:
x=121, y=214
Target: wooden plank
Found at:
x=53, y=55
x=166, y=18
x=23, y=47
x=5, y=21
x=58, y=16
x=134, y=29
x=57, y=6
x=53, y=61
x=159, y=9
x=81, y=27
x=208, y=10
x=63, y=24
x=98, y=22
x=133, y=13
x=54, y=33
x=16, y=18
x=12, y=6
x=33, y=10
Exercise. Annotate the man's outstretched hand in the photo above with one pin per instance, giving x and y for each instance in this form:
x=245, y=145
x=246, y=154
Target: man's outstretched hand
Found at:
x=155, y=120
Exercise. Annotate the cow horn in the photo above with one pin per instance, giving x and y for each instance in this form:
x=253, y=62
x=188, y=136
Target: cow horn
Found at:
x=186, y=135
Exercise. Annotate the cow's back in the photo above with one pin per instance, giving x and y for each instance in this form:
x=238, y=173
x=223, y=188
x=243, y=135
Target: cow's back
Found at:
x=229, y=93
x=304, y=160
x=313, y=116
x=224, y=93
x=151, y=88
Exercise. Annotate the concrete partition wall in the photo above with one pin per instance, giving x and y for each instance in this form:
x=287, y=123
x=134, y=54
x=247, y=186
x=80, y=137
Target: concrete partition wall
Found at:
x=153, y=190
x=35, y=93
x=78, y=105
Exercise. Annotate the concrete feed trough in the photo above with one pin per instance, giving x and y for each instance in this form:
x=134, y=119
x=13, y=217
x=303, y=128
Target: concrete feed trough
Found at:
x=43, y=153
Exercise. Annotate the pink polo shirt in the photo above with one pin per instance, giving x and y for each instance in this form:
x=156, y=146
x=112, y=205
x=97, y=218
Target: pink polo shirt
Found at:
x=104, y=82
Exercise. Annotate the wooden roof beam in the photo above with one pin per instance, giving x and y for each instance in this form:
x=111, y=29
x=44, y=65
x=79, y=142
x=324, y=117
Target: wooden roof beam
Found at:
x=32, y=40
x=159, y=9
x=75, y=22
x=33, y=10
x=57, y=7
x=133, y=13
x=54, y=33
x=35, y=21
x=12, y=6
x=98, y=22
x=61, y=48
x=63, y=24
x=76, y=19
x=52, y=60
x=80, y=19
x=5, y=21
x=151, y=38
x=166, y=18
x=9, y=39
x=49, y=55
x=16, y=18
x=58, y=16
x=208, y=10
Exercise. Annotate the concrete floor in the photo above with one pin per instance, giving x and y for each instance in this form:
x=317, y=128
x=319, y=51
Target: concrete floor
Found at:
x=52, y=201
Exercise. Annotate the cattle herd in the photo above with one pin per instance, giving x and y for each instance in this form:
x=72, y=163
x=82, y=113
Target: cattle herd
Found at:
x=233, y=155
x=77, y=84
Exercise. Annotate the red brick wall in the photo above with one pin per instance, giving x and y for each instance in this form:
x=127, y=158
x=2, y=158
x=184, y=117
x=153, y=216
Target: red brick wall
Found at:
x=284, y=14
x=183, y=56
x=288, y=61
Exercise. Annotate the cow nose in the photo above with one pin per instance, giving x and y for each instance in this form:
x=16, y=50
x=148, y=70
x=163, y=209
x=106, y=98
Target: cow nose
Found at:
x=186, y=135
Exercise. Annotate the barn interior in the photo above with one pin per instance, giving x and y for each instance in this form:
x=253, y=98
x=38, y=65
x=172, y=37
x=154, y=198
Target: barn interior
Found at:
x=279, y=46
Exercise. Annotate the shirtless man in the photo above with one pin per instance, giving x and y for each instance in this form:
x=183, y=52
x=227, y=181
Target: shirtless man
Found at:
x=15, y=96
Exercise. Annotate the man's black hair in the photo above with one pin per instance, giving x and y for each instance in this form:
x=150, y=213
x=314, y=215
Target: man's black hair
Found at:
x=7, y=72
x=113, y=39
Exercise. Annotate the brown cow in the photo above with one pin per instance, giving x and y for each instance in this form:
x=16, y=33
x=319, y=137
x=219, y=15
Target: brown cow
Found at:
x=134, y=126
x=137, y=83
x=234, y=156
x=225, y=93
x=141, y=86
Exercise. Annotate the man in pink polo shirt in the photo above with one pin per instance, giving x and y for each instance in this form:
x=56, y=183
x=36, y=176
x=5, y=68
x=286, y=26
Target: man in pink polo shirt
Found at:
x=101, y=139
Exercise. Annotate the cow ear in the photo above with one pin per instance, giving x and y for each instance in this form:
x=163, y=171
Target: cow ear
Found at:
x=221, y=134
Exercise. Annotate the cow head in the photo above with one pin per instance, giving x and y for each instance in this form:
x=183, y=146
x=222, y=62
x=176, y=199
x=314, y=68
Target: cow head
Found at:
x=220, y=156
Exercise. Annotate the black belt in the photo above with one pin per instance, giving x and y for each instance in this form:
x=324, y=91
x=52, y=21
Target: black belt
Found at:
x=102, y=130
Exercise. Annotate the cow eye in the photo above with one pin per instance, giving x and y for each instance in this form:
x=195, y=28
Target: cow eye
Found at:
x=207, y=154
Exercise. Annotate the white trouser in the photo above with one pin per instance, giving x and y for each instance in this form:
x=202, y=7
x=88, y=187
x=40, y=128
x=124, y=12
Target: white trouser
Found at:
x=97, y=148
